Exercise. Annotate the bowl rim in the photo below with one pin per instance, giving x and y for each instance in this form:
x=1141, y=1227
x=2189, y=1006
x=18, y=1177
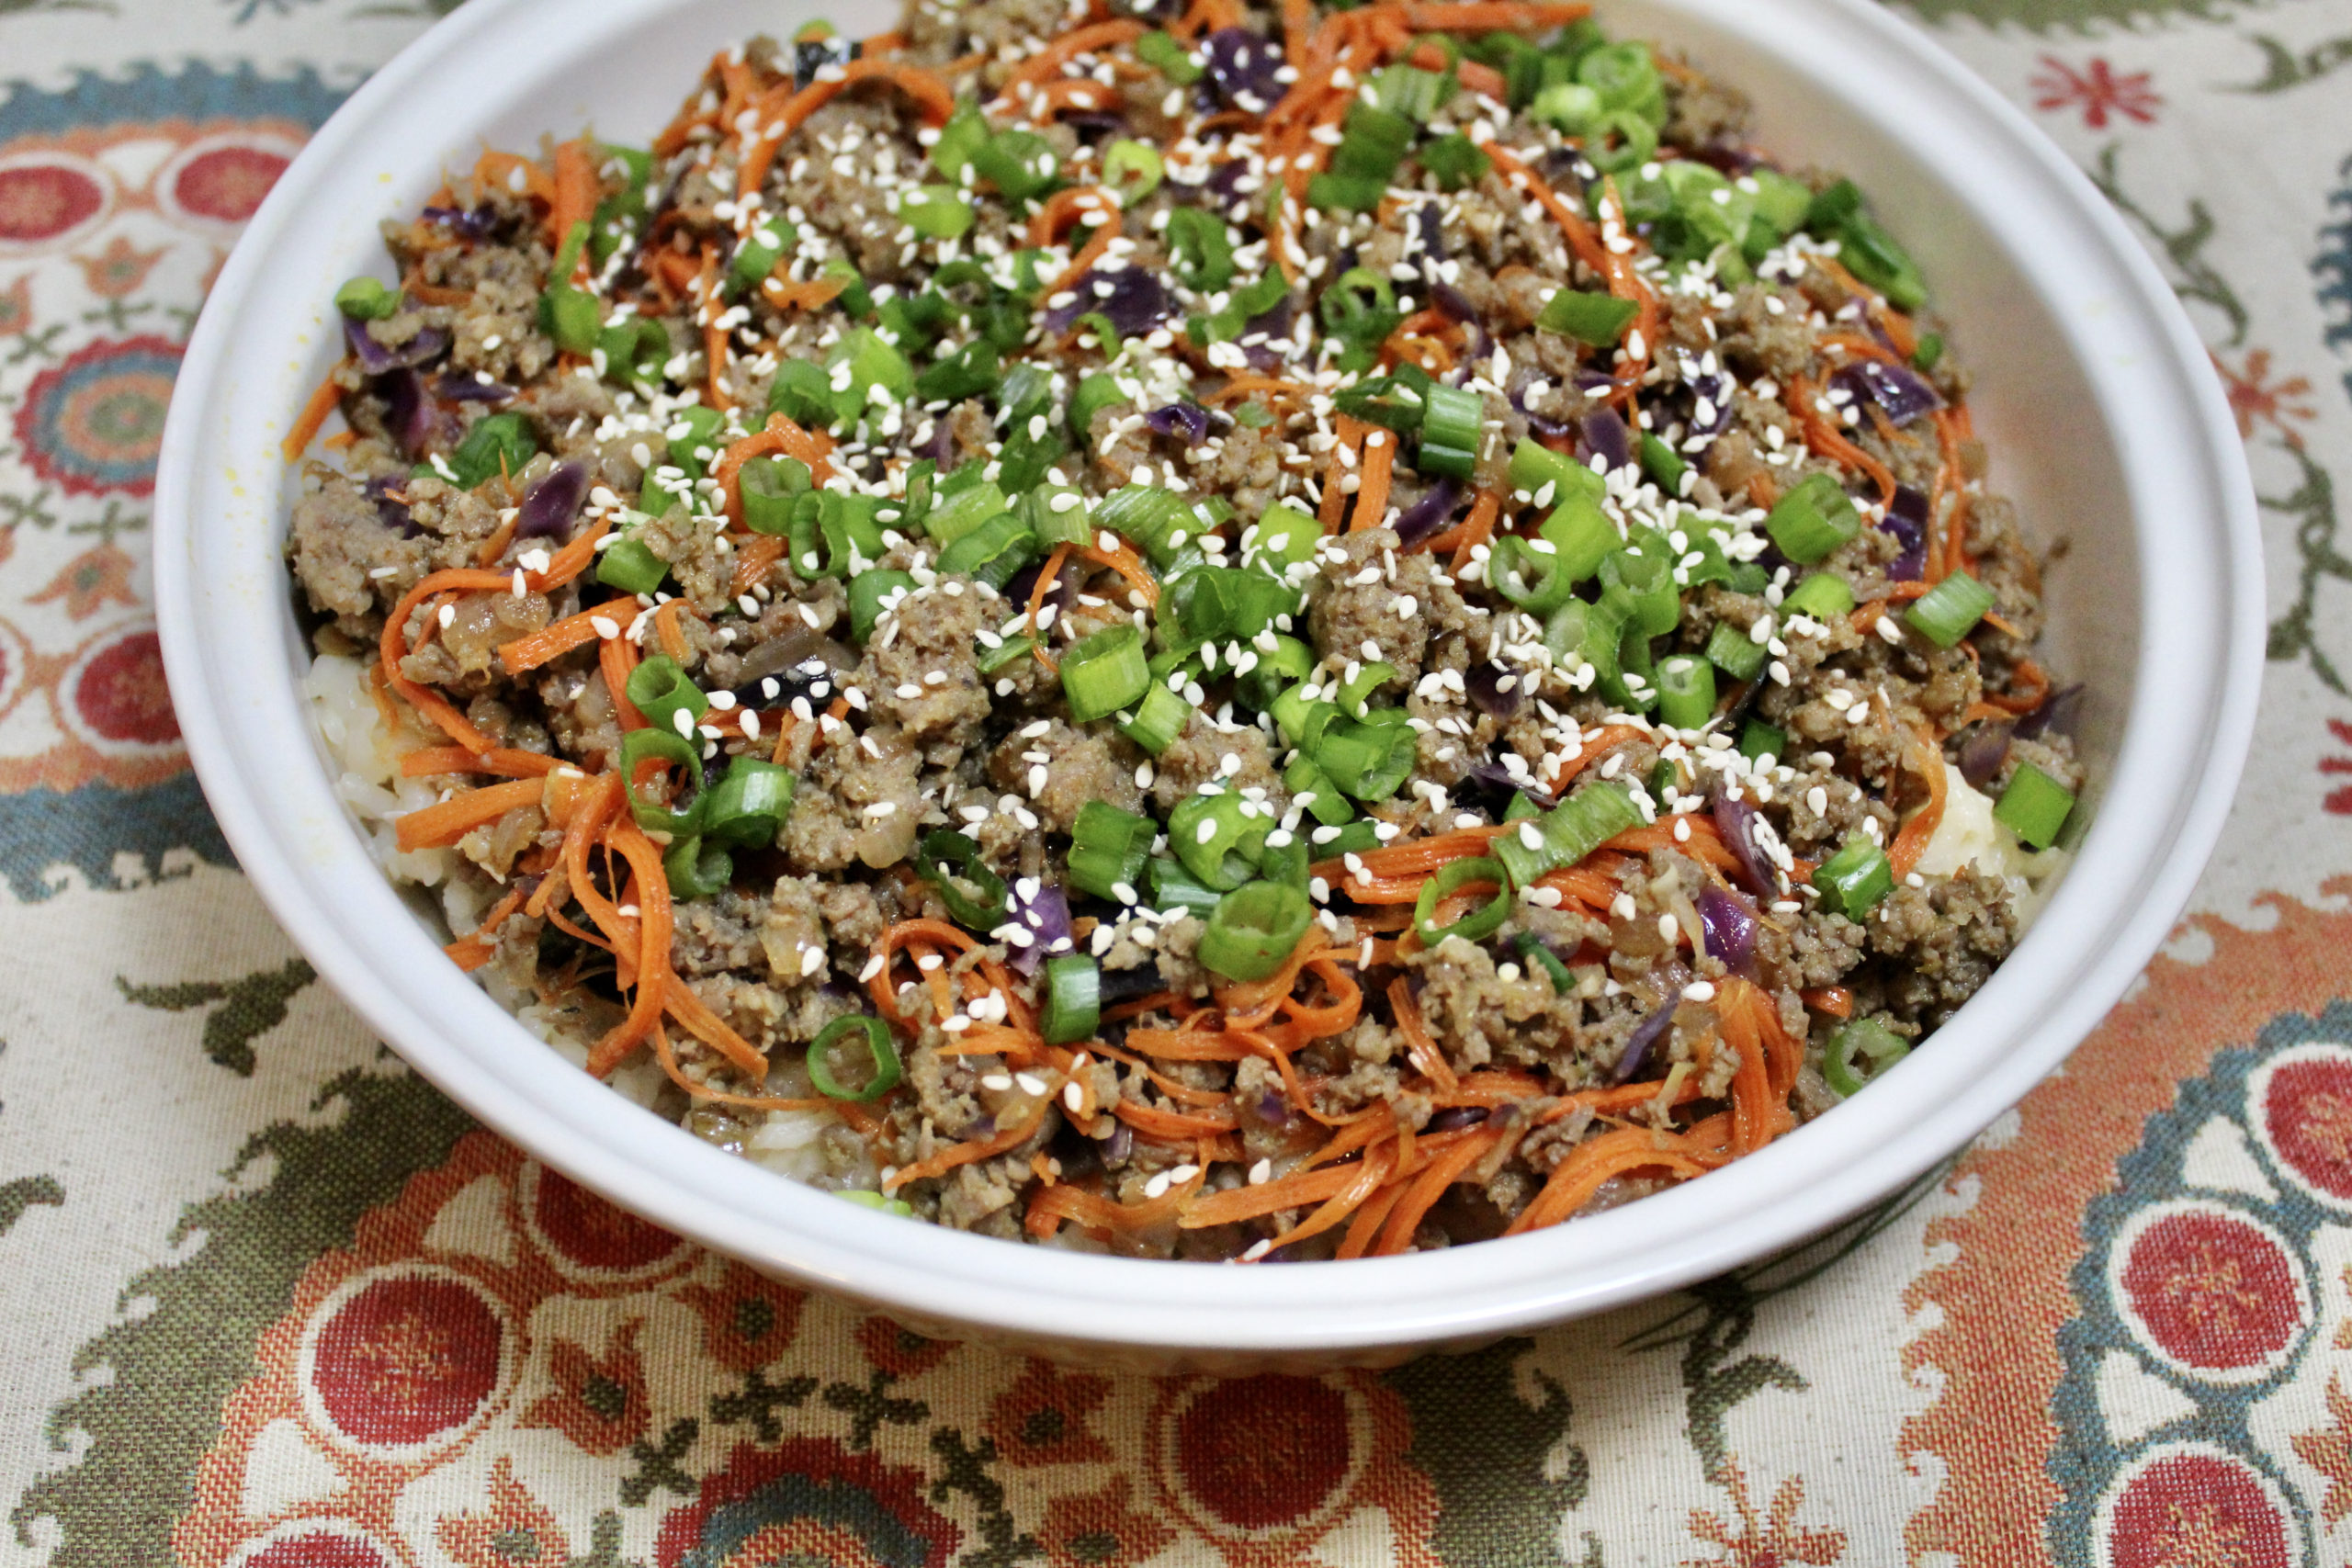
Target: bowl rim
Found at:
x=2135, y=870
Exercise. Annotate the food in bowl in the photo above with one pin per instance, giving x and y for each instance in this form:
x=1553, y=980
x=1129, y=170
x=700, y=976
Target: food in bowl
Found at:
x=1237, y=634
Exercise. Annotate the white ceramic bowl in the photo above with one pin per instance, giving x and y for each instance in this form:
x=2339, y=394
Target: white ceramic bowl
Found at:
x=2103, y=418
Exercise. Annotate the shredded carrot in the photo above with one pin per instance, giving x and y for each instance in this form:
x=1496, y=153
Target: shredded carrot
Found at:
x=1413, y=1206
x=1371, y=496
x=575, y=193
x=323, y=401
x=1582, y=240
x=526, y=653
x=665, y=627
x=1059, y=53
x=1045, y=576
x=1127, y=564
x=1418, y=1045
x=1335, y=499
x=426, y=761
x=1835, y=1000
x=616, y=657
x=1825, y=438
x=1865, y=616
x=651, y=895
x=784, y=110
x=1576, y=1179
x=950, y=1158
x=779, y=434
x=1920, y=826
x=1949, y=554
x=809, y=294
x=752, y=560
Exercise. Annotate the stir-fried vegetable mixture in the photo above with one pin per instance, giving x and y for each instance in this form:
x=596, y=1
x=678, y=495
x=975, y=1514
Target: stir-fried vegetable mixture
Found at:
x=1230, y=631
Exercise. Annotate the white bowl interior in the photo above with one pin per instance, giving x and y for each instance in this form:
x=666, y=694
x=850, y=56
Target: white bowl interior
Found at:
x=2105, y=426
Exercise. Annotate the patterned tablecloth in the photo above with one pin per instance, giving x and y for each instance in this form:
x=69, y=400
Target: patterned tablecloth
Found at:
x=265, y=1298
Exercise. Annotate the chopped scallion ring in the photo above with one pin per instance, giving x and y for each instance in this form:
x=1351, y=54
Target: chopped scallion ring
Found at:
x=881, y=1071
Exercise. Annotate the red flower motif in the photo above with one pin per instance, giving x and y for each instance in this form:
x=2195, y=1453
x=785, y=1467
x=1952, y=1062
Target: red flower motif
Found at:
x=1042, y=1418
x=2255, y=398
x=600, y=1403
x=2339, y=801
x=748, y=1319
x=95, y=578
x=1775, y=1541
x=1098, y=1529
x=902, y=1352
x=514, y=1528
x=2099, y=90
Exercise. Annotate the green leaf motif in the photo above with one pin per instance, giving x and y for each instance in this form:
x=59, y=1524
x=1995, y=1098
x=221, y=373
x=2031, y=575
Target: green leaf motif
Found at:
x=2311, y=505
x=17, y=1196
x=2194, y=277
x=255, y=1005
x=1484, y=1446
x=2285, y=69
x=173, y=1367
x=2075, y=15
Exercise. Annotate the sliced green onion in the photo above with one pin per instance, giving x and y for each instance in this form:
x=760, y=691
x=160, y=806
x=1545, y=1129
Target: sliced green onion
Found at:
x=661, y=691
x=1218, y=838
x=1663, y=464
x=1356, y=837
x=955, y=511
x=1453, y=420
x=1157, y=720
x=1867, y=1042
x=1006, y=654
x=1368, y=761
x=874, y=367
x=1868, y=250
x=1058, y=515
x=994, y=552
x=694, y=869
x=1108, y=848
x=756, y=258
x=1853, y=880
x=2035, y=805
x=1567, y=833
x=802, y=394
x=1480, y=923
x=1151, y=517
x=1168, y=57
x=1094, y=393
x=855, y=299
x=1371, y=143
x=1103, y=673
x=1733, y=651
x=1412, y=92
x=1022, y=164
x=1345, y=193
x=1686, y=692
x=641, y=746
x=1581, y=535
x=1174, y=888
x=631, y=566
x=1534, y=465
x=1132, y=170
x=938, y=212
x=1302, y=722
x=1596, y=318
x=1812, y=519
x=1328, y=806
x=1073, y=1009
x=1199, y=250
x=367, y=300
x=865, y=1198
x=1285, y=537
x=966, y=132
x=750, y=803
x=1254, y=929
x=1355, y=696
x=496, y=443
x=1824, y=596
x=693, y=451
x=768, y=486
x=1930, y=352
x=1533, y=580
x=634, y=350
x=881, y=1071
x=1949, y=611
x=1456, y=162
x=974, y=895
x=1642, y=581
x=1762, y=739
x=1536, y=952
x=971, y=371
x=868, y=592
x=1291, y=860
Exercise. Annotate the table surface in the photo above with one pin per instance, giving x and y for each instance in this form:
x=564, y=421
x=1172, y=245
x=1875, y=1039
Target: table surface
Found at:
x=265, y=1298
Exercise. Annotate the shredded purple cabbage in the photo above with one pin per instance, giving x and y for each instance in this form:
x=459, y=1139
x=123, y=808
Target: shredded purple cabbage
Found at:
x=1454, y=1118
x=1484, y=685
x=470, y=223
x=1241, y=65
x=1737, y=819
x=1986, y=747
x=416, y=420
x=1606, y=438
x=1727, y=924
x=1189, y=420
x=376, y=359
x=2058, y=711
x=1048, y=916
x=1453, y=302
x=1900, y=393
x=550, y=505
x=466, y=389
x=1636, y=1055
x=390, y=512
x=1429, y=515
x=1131, y=299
